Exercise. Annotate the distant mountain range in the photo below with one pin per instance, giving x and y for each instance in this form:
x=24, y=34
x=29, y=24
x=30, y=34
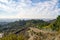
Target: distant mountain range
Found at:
x=12, y=20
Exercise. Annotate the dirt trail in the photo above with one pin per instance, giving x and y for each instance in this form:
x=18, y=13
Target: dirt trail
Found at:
x=32, y=35
x=31, y=38
x=57, y=37
x=36, y=30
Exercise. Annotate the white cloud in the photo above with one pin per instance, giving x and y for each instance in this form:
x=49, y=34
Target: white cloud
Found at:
x=27, y=9
x=41, y=10
x=4, y=1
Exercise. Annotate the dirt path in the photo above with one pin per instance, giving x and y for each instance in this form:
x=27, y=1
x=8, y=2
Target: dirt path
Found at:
x=38, y=30
x=57, y=37
x=32, y=36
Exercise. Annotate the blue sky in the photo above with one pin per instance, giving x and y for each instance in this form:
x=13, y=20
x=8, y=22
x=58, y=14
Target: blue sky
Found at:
x=33, y=9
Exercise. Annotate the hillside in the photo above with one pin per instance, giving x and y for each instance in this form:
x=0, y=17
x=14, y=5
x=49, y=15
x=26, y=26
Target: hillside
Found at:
x=33, y=33
x=17, y=25
x=55, y=26
x=32, y=30
x=37, y=34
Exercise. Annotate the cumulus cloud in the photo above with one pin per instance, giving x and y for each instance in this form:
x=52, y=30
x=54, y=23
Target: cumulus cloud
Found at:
x=30, y=9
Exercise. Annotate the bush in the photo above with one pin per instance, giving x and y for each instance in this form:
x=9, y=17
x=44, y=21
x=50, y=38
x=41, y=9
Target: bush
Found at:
x=14, y=37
